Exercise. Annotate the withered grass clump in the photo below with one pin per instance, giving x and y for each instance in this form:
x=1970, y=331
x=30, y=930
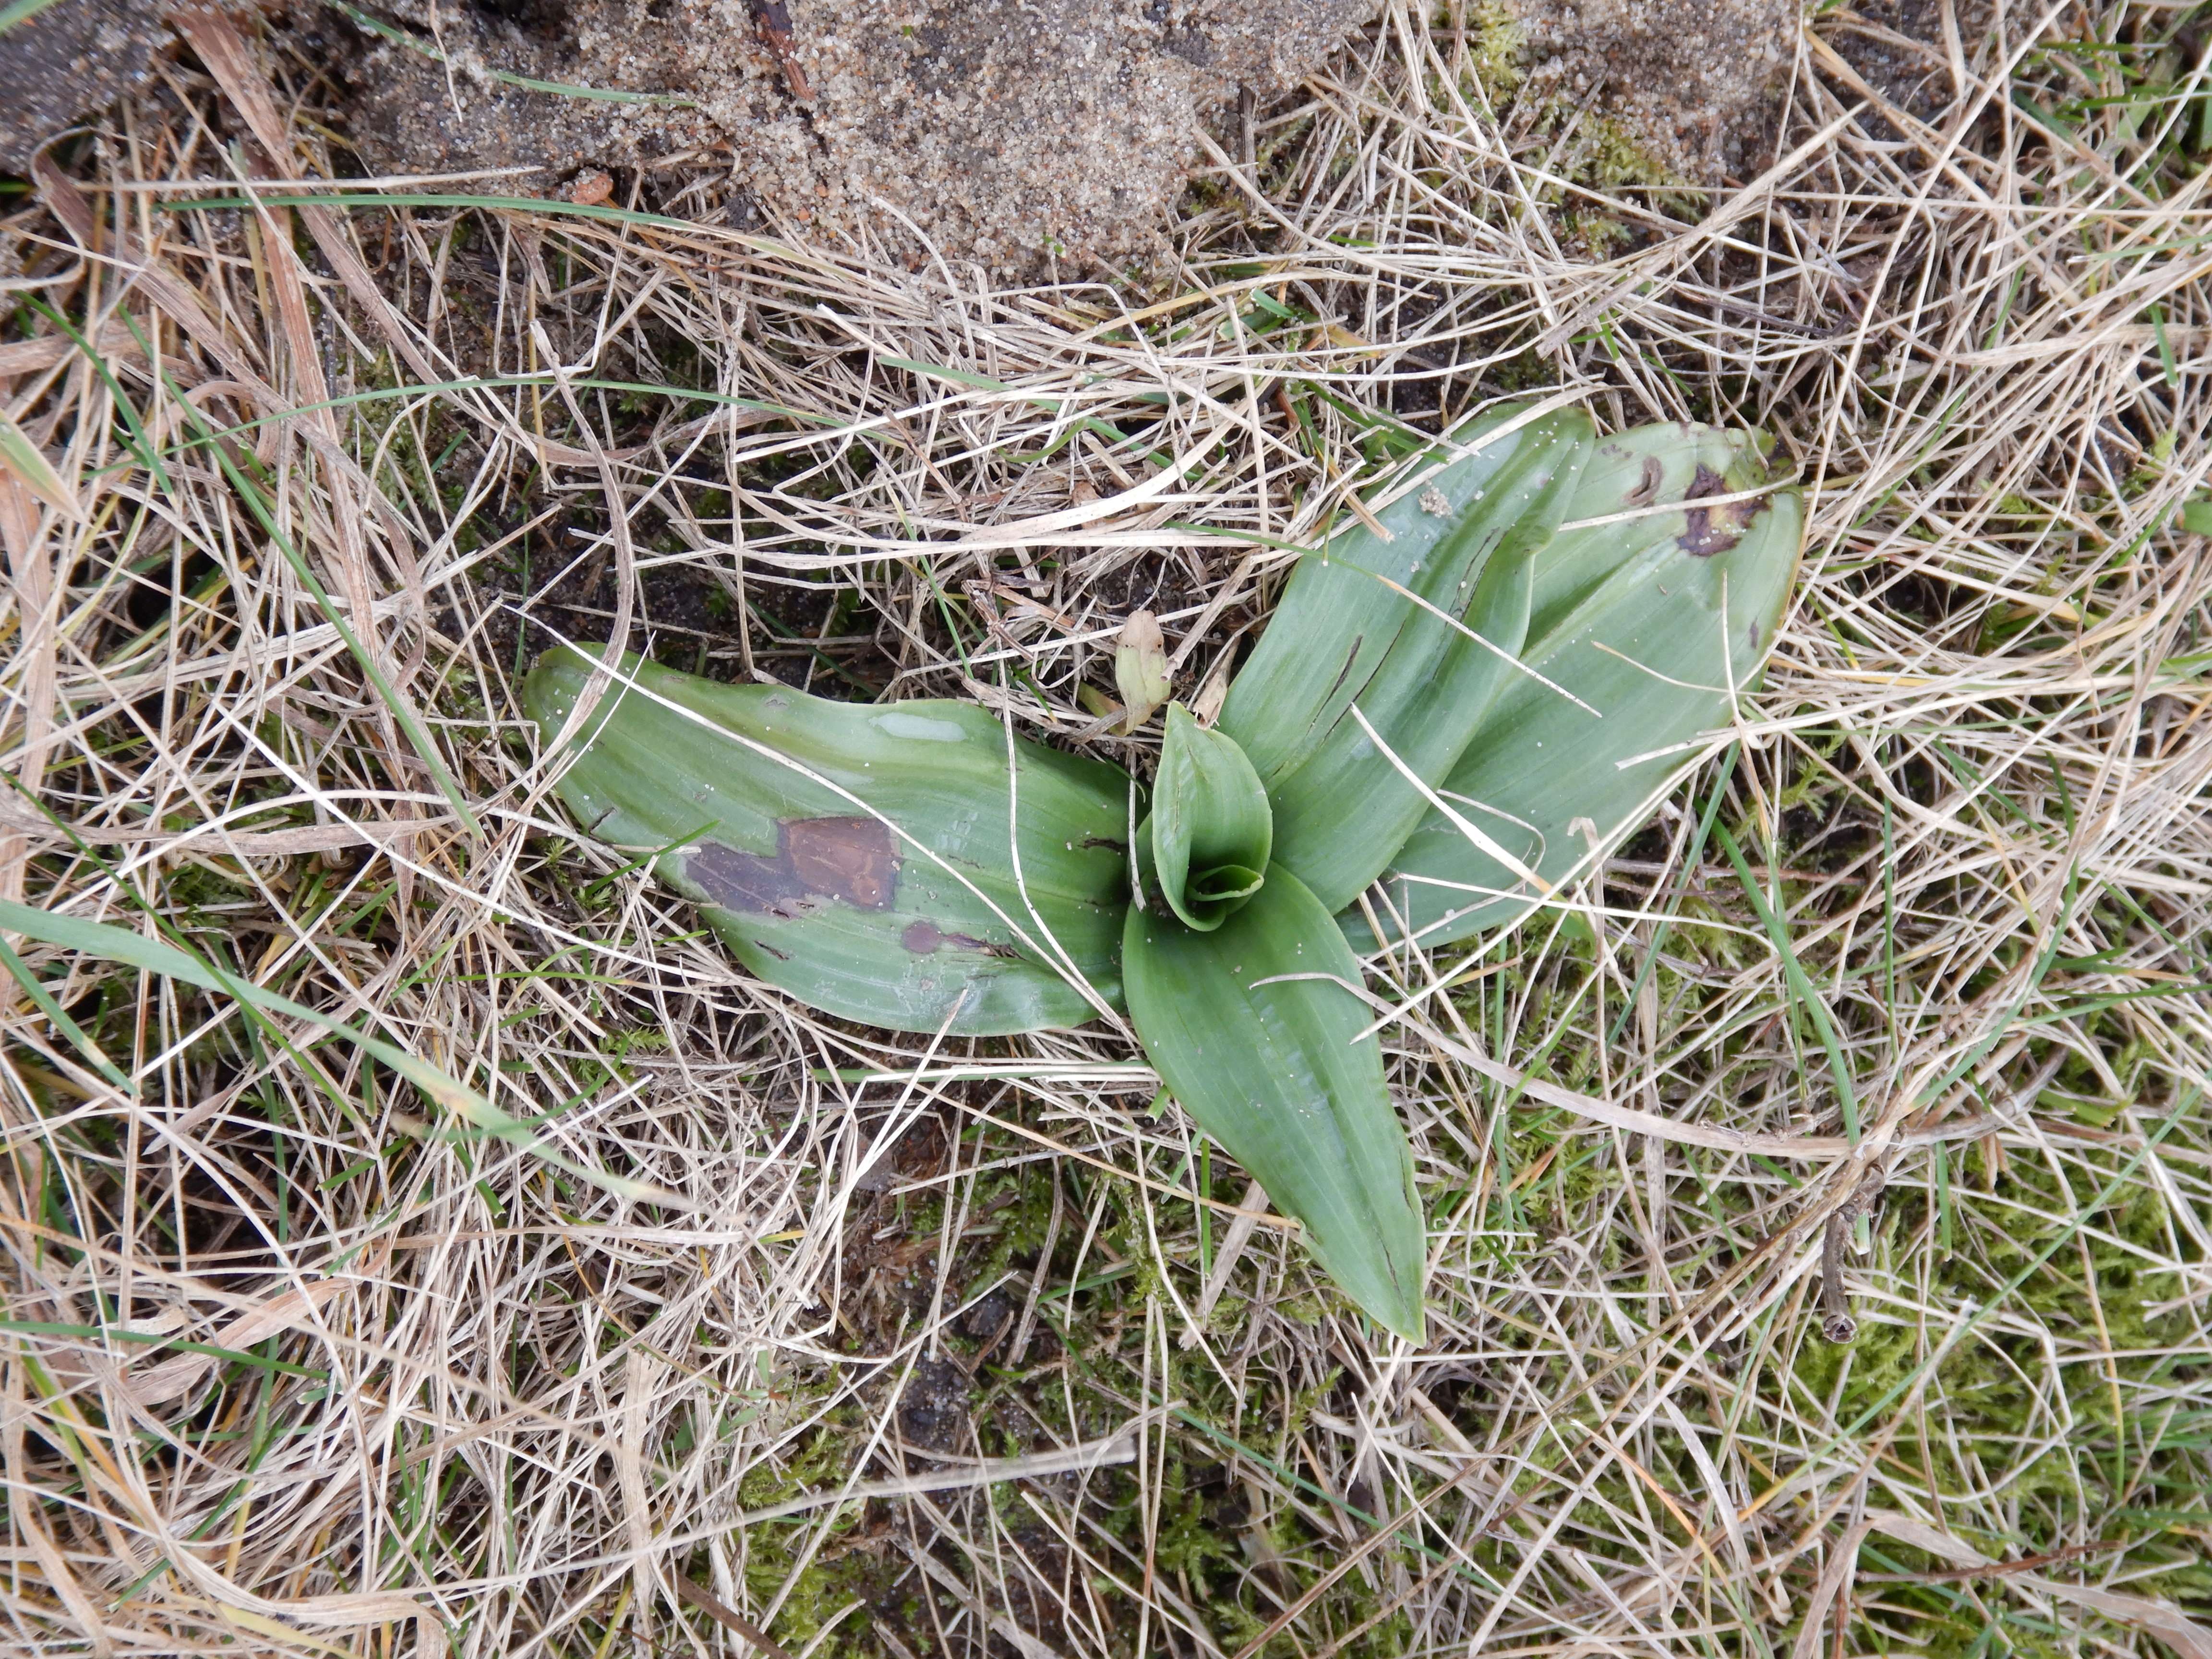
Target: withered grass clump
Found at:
x=744, y=1331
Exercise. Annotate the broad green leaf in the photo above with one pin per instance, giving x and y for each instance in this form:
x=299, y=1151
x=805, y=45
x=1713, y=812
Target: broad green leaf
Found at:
x=1465, y=531
x=861, y=856
x=1205, y=848
x=135, y=949
x=1275, y=1069
x=1655, y=621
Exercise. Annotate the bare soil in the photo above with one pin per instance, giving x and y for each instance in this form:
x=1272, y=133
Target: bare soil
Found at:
x=74, y=56
x=994, y=133
x=1021, y=136
x=1028, y=135
x=1691, y=80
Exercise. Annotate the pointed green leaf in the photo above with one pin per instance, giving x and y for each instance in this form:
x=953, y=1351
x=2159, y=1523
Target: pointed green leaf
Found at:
x=1655, y=621
x=1204, y=850
x=861, y=856
x=1271, y=1072
x=1464, y=532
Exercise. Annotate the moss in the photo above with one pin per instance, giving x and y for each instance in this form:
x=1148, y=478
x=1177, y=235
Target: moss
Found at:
x=1023, y=1211
x=2100, y=1461
x=1303, y=1309
x=1527, y=371
x=1495, y=47
x=1193, y=1540
x=829, y=1585
x=1703, y=929
x=200, y=885
x=822, y=1459
x=1607, y=154
x=1602, y=152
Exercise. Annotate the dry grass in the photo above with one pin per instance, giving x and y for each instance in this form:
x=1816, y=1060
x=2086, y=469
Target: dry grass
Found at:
x=299, y=1361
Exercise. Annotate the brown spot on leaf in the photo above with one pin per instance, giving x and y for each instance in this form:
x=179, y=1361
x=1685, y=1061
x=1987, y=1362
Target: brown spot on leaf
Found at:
x=1712, y=530
x=1647, y=485
x=924, y=938
x=817, y=862
x=745, y=881
x=855, y=860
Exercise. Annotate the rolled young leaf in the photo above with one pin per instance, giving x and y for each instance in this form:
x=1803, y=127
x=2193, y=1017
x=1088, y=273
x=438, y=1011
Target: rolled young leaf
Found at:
x=1656, y=622
x=1271, y=1072
x=1140, y=669
x=861, y=856
x=1464, y=534
x=1204, y=850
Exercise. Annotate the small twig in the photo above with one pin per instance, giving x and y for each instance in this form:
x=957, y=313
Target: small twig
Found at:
x=1997, y=1569
x=726, y=1616
x=1837, y=1325
x=773, y=19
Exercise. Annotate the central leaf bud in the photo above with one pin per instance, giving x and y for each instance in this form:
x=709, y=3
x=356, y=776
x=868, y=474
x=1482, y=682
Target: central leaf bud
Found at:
x=1205, y=847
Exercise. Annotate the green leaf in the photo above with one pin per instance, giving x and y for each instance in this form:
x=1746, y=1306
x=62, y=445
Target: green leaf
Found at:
x=1800, y=983
x=135, y=949
x=1205, y=848
x=1275, y=1069
x=861, y=856
x=1357, y=656
x=1653, y=621
x=20, y=11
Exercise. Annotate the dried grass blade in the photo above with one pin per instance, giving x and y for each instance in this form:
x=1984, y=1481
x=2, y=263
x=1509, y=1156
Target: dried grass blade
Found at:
x=113, y=944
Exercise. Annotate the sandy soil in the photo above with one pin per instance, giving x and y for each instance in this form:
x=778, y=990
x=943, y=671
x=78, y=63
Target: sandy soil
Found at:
x=74, y=56
x=1690, y=78
x=1016, y=134
x=996, y=132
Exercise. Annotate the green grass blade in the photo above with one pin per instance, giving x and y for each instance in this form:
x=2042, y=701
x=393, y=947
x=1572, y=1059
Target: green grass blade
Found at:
x=19, y=456
x=1801, y=985
x=403, y=711
x=141, y=442
x=58, y=1016
x=1693, y=856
